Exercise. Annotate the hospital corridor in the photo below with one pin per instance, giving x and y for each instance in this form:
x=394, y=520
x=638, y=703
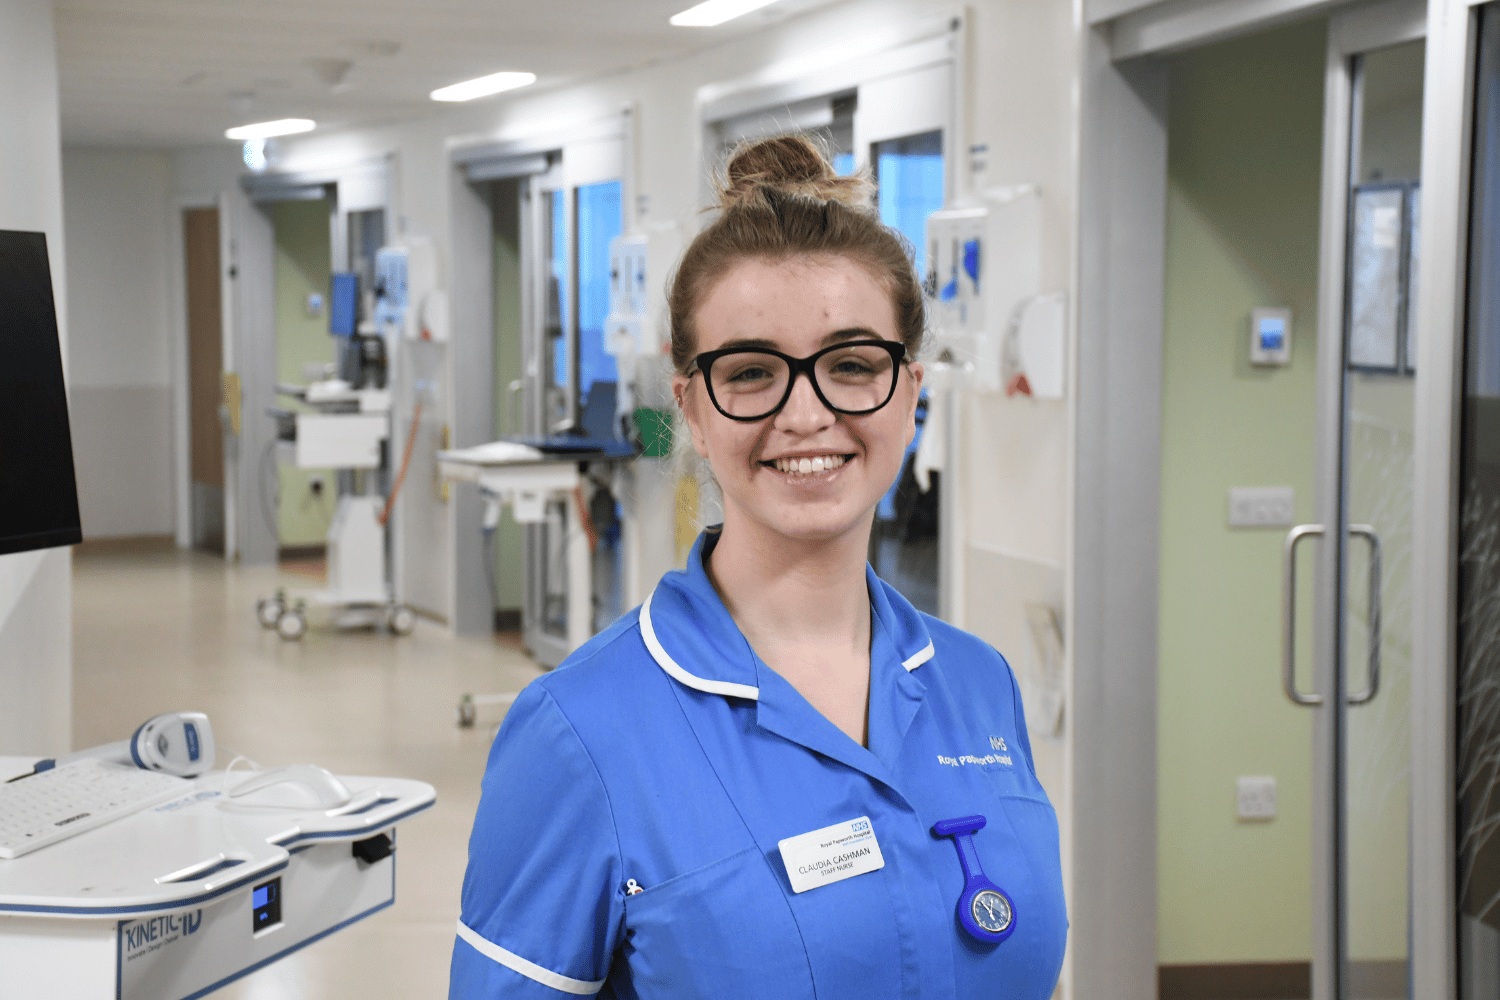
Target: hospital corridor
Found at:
x=807, y=498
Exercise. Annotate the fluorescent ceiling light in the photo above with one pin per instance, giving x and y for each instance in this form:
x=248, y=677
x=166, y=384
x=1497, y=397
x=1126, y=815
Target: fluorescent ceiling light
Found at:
x=712, y=12
x=484, y=86
x=268, y=130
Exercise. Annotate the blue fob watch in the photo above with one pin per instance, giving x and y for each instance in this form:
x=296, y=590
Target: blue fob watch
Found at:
x=984, y=909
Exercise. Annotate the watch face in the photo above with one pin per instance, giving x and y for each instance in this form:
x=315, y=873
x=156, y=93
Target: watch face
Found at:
x=991, y=911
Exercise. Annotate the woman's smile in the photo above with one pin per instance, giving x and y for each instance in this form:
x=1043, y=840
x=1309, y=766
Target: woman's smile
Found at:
x=804, y=467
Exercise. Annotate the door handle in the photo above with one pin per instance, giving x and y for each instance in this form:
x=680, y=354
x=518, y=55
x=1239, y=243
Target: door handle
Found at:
x=1289, y=615
x=1367, y=532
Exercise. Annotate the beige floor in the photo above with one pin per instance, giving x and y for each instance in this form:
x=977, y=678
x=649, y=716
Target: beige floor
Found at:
x=157, y=629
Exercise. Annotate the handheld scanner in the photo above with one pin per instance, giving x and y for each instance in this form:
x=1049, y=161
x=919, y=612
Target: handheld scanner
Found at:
x=180, y=743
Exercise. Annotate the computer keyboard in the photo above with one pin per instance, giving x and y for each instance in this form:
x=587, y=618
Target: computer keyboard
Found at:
x=81, y=795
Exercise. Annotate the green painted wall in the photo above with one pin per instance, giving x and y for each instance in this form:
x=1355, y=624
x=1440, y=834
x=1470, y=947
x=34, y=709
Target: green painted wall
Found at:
x=304, y=260
x=510, y=569
x=1244, y=156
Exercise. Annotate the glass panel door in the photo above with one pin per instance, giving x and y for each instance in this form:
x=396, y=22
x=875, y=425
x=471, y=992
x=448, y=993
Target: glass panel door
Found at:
x=1385, y=157
x=570, y=388
x=548, y=399
x=904, y=541
x=597, y=209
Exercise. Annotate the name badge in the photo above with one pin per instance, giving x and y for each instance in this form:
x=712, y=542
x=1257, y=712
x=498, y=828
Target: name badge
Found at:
x=831, y=854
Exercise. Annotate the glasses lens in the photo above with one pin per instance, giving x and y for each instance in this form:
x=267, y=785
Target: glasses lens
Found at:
x=856, y=378
x=748, y=384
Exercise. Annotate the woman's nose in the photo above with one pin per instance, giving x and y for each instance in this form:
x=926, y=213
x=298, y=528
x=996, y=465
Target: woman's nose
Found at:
x=804, y=412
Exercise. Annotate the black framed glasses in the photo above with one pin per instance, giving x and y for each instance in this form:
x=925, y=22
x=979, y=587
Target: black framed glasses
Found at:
x=751, y=383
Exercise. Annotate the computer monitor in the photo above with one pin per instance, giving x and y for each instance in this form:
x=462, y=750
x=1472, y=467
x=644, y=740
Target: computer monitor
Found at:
x=38, y=492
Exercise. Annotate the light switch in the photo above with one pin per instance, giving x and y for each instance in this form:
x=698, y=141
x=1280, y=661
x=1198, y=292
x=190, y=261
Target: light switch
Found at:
x=1255, y=798
x=1262, y=506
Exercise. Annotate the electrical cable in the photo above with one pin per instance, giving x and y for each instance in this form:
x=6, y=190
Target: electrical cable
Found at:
x=411, y=440
x=268, y=511
x=585, y=520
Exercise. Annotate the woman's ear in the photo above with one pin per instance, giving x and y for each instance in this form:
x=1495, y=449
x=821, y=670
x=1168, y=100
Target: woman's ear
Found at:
x=682, y=391
x=917, y=372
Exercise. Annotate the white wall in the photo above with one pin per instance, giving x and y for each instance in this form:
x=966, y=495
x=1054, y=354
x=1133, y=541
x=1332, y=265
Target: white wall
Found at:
x=36, y=644
x=116, y=217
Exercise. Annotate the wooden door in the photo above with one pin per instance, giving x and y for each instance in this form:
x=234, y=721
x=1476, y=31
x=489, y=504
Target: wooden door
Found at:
x=205, y=373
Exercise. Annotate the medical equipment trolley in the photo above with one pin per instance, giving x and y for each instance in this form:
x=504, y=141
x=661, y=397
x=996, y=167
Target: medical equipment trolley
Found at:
x=182, y=897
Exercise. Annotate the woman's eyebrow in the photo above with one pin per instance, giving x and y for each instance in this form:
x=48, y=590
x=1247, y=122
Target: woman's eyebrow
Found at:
x=762, y=344
x=753, y=343
x=853, y=333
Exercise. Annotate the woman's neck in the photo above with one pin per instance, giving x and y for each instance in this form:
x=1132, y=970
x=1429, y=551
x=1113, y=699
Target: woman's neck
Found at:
x=804, y=607
x=798, y=589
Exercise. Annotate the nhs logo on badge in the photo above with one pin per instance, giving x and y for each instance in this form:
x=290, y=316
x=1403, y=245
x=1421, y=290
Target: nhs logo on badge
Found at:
x=998, y=743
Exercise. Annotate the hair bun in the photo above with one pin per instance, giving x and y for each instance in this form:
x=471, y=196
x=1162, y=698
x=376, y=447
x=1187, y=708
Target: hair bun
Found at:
x=790, y=164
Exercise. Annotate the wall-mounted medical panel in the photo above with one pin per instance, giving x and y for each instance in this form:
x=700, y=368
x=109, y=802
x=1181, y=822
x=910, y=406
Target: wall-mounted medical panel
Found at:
x=984, y=264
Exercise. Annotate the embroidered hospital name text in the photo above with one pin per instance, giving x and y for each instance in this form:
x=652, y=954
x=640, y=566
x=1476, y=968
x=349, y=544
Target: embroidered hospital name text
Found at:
x=828, y=866
x=993, y=758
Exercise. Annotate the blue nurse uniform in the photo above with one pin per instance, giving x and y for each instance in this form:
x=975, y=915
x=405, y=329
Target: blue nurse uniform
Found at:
x=626, y=843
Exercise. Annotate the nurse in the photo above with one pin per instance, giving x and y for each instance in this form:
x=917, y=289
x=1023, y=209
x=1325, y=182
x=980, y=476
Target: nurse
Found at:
x=775, y=778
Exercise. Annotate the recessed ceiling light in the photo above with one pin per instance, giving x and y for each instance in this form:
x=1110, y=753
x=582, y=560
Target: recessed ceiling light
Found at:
x=268, y=130
x=483, y=86
x=712, y=12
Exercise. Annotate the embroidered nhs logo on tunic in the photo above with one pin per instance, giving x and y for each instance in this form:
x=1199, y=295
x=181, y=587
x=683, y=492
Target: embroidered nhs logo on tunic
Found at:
x=998, y=743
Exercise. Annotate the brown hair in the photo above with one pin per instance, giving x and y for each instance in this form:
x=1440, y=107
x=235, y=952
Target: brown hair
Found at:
x=781, y=198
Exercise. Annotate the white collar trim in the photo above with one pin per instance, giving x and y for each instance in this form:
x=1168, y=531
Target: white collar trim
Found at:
x=663, y=660
x=728, y=688
x=918, y=658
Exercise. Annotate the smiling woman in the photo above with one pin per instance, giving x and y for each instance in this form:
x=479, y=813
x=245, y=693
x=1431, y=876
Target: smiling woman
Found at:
x=721, y=792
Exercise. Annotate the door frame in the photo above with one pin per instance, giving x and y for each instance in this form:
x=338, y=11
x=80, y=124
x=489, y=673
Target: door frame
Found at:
x=1120, y=243
x=1350, y=33
x=250, y=343
x=1447, y=122
x=473, y=160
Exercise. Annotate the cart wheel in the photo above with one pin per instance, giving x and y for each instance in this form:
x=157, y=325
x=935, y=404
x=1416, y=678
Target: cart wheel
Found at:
x=268, y=610
x=400, y=619
x=291, y=625
x=466, y=712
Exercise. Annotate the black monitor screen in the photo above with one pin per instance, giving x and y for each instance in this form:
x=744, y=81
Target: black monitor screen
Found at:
x=38, y=495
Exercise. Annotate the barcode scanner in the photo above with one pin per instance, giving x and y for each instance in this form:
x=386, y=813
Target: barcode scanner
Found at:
x=180, y=743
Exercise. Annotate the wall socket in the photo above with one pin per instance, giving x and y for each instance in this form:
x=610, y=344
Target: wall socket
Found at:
x=1255, y=799
x=1262, y=506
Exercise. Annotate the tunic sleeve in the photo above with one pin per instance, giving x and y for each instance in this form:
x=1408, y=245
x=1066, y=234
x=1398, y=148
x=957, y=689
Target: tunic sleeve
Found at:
x=543, y=899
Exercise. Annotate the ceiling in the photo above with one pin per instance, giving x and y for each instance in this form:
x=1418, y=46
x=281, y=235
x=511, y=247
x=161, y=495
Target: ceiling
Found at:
x=179, y=72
